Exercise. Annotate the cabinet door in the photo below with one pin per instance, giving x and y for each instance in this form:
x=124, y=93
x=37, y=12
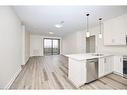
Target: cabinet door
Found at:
x=108, y=61
x=108, y=28
x=105, y=66
x=118, y=64
x=119, y=29
x=115, y=31
x=101, y=67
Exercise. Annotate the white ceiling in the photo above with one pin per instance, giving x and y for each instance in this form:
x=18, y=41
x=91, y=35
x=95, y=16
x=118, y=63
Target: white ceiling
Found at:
x=41, y=19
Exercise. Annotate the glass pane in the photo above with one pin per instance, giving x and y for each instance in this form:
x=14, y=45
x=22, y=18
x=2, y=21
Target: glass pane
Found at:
x=56, y=46
x=55, y=43
x=51, y=46
x=47, y=46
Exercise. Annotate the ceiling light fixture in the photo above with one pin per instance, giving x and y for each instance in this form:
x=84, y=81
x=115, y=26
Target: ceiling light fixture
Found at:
x=51, y=33
x=100, y=22
x=87, y=26
x=59, y=25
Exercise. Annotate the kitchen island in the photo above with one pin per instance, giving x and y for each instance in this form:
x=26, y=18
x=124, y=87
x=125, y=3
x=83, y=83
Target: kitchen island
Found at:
x=78, y=69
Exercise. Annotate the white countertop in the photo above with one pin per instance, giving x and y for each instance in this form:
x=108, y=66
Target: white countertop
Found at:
x=85, y=56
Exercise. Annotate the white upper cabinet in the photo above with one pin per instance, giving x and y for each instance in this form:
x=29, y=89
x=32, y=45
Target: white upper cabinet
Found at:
x=115, y=31
x=108, y=34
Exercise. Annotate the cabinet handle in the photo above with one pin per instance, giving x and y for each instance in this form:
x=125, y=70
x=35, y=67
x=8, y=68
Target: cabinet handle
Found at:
x=120, y=59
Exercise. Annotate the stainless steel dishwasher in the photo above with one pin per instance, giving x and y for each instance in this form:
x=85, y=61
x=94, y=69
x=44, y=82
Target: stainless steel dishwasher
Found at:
x=91, y=70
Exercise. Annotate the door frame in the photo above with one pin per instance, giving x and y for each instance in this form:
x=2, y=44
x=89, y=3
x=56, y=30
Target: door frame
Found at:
x=88, y=38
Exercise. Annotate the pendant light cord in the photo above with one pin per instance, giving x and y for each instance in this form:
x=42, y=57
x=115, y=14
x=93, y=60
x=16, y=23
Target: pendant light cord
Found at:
x=87, y=23
x=100, y=24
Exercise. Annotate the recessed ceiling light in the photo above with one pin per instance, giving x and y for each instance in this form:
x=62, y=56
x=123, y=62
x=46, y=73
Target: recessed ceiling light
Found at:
x=58, y=25
x=51, y=33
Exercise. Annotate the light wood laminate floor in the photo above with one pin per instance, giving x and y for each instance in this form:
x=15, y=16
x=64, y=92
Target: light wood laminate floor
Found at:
x=50, y=72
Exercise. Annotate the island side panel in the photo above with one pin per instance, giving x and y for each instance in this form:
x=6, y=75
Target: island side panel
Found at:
x=77, y=72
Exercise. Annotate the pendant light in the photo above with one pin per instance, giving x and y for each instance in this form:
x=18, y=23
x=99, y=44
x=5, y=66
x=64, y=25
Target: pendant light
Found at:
x=100, y=22
x=87, y=26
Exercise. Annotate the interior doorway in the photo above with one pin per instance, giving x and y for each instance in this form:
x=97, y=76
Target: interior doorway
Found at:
x=51, y=46
x=90, y=44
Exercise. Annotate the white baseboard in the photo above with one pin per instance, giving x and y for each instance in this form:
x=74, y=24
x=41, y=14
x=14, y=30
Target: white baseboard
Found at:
x=118, y=73
x=25, y=61
x=13, y=79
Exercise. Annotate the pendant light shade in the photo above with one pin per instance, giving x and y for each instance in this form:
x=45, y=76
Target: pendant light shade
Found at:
x=87, y=26
x=87, y=34
x=100, y=22
x=100, y=35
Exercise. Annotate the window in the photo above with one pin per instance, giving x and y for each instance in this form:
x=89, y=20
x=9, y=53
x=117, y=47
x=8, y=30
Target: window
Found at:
x=51, y=46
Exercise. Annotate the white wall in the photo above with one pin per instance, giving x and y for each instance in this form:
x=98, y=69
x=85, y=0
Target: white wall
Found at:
x=100, y=47
x=10, y=46
x=25, y=45
x=73, y=43
x=36, y=45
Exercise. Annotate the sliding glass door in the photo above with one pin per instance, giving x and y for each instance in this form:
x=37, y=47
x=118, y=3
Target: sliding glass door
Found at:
x=56, y=46
x=51, y=46
x=47, y=47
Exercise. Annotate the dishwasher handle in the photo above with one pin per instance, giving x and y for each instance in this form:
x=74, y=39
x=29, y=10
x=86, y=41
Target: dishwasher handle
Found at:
x=92, y=60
